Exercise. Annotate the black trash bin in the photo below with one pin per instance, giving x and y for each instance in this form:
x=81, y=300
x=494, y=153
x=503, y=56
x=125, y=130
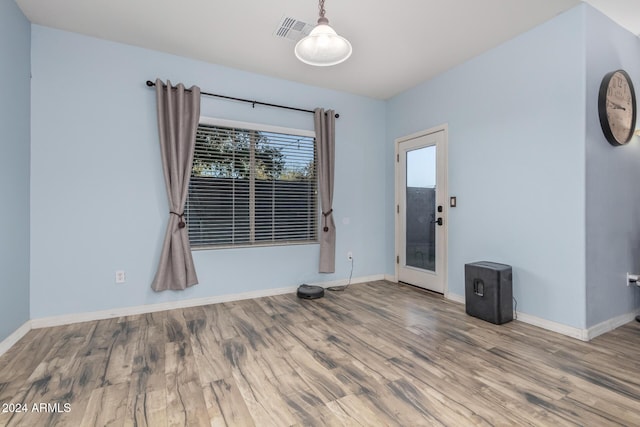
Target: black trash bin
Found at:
x=488, y=291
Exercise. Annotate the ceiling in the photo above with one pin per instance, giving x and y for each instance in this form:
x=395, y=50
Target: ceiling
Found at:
x=396, y=44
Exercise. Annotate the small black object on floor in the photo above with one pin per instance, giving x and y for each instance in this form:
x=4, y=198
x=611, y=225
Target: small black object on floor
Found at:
x=310, y=292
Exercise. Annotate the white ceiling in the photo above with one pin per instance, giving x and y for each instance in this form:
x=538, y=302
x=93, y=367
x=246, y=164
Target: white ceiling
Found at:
x=396, y=44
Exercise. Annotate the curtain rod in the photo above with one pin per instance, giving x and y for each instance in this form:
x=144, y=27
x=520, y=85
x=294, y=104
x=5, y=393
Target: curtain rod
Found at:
x=151, y=84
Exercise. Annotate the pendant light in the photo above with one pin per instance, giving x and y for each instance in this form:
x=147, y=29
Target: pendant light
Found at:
x=323, y=46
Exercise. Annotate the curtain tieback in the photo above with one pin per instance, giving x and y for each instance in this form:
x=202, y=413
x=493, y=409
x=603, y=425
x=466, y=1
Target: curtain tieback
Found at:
x=325, y=215
x=181, y=224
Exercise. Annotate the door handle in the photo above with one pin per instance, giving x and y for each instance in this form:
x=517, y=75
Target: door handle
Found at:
x=437, y=221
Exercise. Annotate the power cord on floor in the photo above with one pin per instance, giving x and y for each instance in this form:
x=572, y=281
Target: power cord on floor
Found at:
x=344, y=287
x=515, y=309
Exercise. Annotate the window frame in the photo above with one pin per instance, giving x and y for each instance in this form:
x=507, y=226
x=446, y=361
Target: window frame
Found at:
x=259, y=127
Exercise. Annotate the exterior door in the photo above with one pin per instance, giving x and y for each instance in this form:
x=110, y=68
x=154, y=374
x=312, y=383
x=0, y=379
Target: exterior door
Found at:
x=421, y=210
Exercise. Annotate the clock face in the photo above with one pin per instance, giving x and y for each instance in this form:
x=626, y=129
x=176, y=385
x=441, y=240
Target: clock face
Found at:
x=617, y=107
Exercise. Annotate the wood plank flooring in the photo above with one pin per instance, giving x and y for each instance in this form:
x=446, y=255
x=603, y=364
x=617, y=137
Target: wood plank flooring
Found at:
x=376, y=354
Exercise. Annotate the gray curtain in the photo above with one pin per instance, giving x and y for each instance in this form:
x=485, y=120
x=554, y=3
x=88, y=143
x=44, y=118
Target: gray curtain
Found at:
x=325, y=124
x=178, y=117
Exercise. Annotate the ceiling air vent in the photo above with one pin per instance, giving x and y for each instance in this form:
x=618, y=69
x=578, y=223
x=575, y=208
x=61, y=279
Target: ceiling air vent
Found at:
x=292, y=29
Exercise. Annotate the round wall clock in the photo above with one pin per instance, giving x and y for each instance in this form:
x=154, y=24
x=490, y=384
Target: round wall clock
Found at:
x=617, y=107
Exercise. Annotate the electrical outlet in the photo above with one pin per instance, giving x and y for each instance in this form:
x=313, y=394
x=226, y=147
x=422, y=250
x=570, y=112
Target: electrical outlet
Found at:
x=633, y=278
x=350, y=255
x=120, y=276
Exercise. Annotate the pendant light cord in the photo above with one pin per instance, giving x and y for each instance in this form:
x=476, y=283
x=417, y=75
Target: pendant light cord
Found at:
x=321, y=7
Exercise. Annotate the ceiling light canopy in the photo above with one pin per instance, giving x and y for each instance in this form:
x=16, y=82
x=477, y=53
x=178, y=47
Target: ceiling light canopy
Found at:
x=323, y=46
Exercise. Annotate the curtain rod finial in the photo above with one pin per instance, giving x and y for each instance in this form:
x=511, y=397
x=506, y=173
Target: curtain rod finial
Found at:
x=150, y=83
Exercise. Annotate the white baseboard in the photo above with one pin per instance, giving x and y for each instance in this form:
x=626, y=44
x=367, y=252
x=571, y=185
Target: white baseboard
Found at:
x=9, y=341
x=66, y=319
x=549, y=325
x=343, y=282
x=455, y=297
x=560, y=328
x=390, y=278
x=610, y=325
x=581, y=334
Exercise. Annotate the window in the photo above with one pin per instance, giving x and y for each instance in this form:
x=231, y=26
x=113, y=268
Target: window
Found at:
x=252, y=185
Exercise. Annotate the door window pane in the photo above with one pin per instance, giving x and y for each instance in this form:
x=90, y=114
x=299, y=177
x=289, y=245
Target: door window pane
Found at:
x=421, y=208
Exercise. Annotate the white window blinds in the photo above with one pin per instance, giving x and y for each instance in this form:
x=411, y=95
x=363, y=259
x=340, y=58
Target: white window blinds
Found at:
x=252, y=187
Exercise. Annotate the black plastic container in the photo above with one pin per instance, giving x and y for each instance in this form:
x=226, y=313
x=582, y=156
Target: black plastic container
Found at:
x=489, y=291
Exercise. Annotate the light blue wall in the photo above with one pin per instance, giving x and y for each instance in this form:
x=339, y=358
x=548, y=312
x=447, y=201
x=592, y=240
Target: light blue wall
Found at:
x=612, y=181
x=15, y=36
x=530, y=193
x=516, y=163
x=97, y=192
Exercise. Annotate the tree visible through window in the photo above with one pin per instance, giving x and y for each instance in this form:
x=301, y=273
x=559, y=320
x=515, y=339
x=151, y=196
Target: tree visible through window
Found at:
x=252, y=187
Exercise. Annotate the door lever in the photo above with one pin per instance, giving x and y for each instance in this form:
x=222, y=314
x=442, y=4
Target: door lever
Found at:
x=437, y=221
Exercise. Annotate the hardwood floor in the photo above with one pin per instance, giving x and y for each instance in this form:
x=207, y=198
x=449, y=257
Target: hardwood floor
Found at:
x=376, y=354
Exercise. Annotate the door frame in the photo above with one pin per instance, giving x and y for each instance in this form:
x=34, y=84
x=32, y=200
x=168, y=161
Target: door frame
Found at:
x=440, y=128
